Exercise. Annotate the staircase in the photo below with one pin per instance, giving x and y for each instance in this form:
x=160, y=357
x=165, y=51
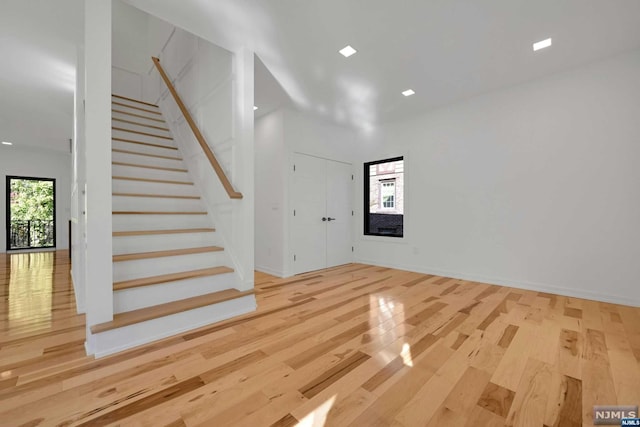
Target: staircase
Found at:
x=170, y=270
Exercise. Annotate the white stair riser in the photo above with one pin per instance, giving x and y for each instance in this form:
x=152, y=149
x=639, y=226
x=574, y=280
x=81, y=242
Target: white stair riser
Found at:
x=141, y=127
x=136, y=244
x=129, y=270
x=145, y=204
x=132, y=171
x=146, y=160
x=159, y=222
x=146, y=149
x=147, y=296
x=115, y=340
x=138, y=119
x=135, y=111
x=142, y=138
x=127, y=186
x=123, y=104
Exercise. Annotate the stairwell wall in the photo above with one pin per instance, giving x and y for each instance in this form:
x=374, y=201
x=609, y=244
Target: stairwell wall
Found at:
x=216, y=85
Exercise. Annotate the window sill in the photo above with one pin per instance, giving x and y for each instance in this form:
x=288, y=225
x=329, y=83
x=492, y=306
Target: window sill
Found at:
x=384, y=239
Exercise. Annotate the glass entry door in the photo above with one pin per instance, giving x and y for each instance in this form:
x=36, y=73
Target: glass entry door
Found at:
x=31, y=219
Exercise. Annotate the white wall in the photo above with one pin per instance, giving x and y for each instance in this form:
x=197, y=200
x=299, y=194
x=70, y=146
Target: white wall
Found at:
x=270, y=184
x=533, y=186
x=278, y=135
x=39, y=163
x=78, y=193
x=130, y=50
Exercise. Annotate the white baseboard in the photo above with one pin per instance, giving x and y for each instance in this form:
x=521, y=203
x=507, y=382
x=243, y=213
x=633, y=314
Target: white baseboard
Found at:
x=270, y=271
x=520, y=284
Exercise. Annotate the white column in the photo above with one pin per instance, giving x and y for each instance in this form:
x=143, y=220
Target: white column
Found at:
x=99, y=297
x=243, y=168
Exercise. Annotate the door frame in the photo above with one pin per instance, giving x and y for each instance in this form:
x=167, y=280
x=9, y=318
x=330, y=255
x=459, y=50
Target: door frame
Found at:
x=8, y=179
x=289, y=267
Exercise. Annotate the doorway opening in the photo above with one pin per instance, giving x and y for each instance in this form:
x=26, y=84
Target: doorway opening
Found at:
x=31, y=213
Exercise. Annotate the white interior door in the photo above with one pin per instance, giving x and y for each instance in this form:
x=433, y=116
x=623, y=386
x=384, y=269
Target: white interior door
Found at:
x=339, y=224
x=308, y=233
x=321, y=222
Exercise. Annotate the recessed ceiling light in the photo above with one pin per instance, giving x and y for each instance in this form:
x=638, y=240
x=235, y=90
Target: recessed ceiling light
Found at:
x=347, y=51
x=408, y=92
x=541, y=44
x=255, y=108
x=7, y=143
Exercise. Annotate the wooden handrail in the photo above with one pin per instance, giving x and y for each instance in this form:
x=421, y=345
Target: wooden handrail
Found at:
x=196, y=132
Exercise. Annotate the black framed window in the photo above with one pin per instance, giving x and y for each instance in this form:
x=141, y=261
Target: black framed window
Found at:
x=31, y=212
x=384, y=197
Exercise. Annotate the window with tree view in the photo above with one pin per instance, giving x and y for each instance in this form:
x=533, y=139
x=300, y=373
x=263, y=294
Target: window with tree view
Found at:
x=30, y=213
x=384, y=197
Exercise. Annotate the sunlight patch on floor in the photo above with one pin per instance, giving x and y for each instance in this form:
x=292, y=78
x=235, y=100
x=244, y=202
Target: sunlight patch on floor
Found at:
x=318, y=417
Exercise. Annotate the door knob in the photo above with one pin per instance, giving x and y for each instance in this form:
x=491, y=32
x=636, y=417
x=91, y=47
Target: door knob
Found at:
x=324, y=218
x=331, y=219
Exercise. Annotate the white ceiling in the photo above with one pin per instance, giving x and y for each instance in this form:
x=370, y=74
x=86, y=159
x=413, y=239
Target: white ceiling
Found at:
x=446, y=50
x=38, y=47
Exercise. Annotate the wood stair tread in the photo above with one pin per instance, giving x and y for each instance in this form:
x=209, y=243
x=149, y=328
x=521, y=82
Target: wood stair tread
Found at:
x=165, y=278
x=140, y=124
x=160, y=254
x=156, y=232
x=167, y=309
x=151, y=144
x=158, y=213
x=136, y=165
x=153, y=135
x=137, y=115
x=137, y=153
x=163, y=181
x=136, y=108
x=161, y=196
x=134, y=100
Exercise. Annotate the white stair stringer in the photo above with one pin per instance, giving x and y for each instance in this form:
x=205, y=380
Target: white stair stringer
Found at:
x=171, y=271
x=115, y=340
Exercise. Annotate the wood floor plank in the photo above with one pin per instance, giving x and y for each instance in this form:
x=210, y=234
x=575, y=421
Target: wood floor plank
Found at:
x=353, y=345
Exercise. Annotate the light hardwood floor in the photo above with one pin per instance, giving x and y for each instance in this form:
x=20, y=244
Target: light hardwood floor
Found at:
x=355, y=345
